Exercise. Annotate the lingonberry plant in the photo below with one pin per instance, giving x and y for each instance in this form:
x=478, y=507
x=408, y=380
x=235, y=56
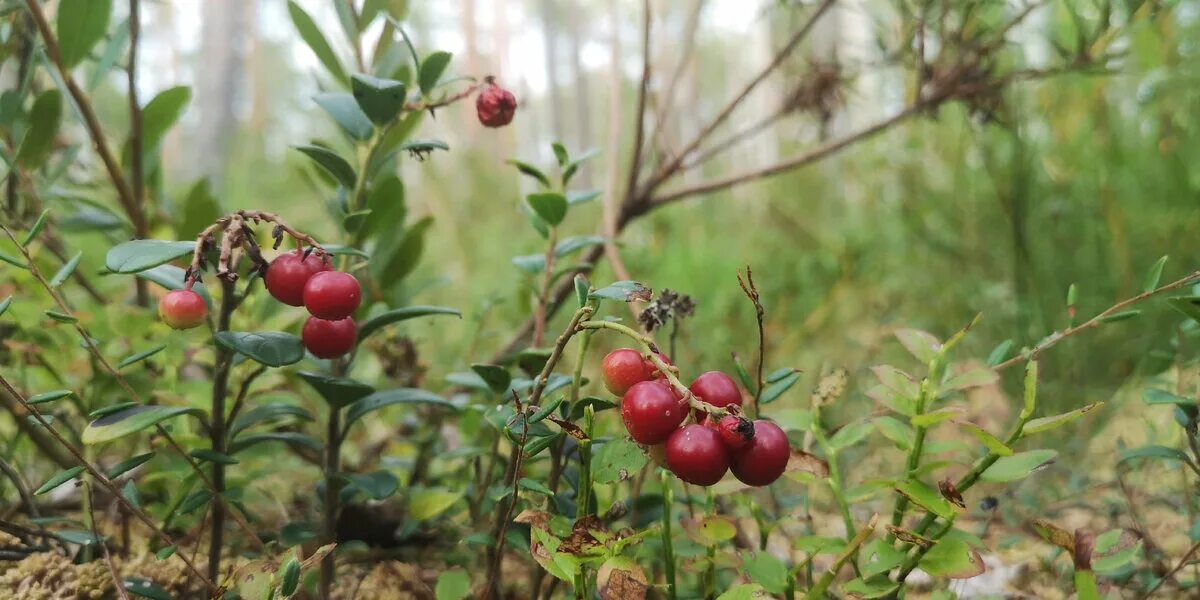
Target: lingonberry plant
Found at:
x=220, y=458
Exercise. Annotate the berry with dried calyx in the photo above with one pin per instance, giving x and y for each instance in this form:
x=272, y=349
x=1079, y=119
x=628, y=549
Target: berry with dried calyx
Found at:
x=495, y=106
x=764, y=458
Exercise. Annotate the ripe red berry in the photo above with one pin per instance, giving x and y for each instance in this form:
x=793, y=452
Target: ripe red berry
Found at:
x=717, y=389
x=765, y=458
x=288, y=273
x=332, y=295
x=696, y=455
x=182, y=309
x=495, y=105
x=329, y=339
x=736, y=432
x=651, y=411
x=622, y=368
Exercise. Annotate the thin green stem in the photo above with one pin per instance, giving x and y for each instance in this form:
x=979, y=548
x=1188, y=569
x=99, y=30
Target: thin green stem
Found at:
x=913, y=461
x=668, y=549
x=818, y=590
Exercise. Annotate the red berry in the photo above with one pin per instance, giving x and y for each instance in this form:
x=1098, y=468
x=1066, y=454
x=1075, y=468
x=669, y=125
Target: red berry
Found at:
x=735, y=432
x=332, y=295
x=717, y=389
x=696, y=455
x=622, y=368
x=495, y=105
x=764, y=459
x=653, y=371
x=288, y=273
x=651, y=411
x=329, y=339
x=182, y=309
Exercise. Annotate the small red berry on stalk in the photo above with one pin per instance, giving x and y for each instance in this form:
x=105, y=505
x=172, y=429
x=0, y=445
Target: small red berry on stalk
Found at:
x=765, y=458
x=495, y=105
x=182, y=309
x=736, y=432
x=696, y=455
x=329, y=339
x=651, y=411
x=332, y=295
x=288, y=273
x=622, y=368
x=717, y=389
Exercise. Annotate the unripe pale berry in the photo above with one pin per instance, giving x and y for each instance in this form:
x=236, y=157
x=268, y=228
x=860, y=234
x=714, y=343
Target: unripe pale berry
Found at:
x=182, y=309
x=332, y=295
x=651, y=411
x=288, y=273
x=622, y=368
x=696, y=455
x=764, y=458
x=495, y=106
x=329, y=339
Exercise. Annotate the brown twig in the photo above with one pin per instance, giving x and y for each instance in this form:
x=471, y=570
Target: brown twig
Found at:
x=635, y=162
x=1183, y=562
x=135, y=109
x=91, y=121
x=104, y=481
x=751, y=292
x=112, y=566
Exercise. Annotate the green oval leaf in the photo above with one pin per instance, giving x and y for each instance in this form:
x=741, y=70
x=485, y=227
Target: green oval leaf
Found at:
x=45, y=397
x=130, y=420
x=79, y=25
x=161, y=113
x=271, y=348
x=66, y=271
x=496, y=377
x=617, y=460
x=346, y=113
x=380, y=99
x=401, y=314
x=926, y=497
x=4, y=304
x=58, y=479
x=129, y=464
x=1056, y=421
x=139, y=255
x=431, y=71
x=334, y=164
x=44, y=120
x=1018, y=466
x=140, y=356
x=386, y=398
x=316, y=41
x=425, y=504
x=550, y=206
x=337, y=391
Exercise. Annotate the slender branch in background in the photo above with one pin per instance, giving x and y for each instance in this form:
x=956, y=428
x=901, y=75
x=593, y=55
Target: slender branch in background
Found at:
x=1057, y=337
x=639, y=131
x=666, y=104
x=611, y=200
x=725, y=144
x=112, y=567
x=104, y=481
x=491, y=588
x=1183, y=562
x=751, y=292
x=670, y=168
x=135, y=109
x=539, y=328
x=22, y=490
x=92, y=123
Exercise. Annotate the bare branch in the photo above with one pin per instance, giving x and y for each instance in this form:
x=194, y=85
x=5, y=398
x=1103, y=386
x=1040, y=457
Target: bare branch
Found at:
x=635, y=163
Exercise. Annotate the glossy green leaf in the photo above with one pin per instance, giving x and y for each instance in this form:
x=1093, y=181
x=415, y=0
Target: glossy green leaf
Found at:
x=61, y=317
x=171, y=277
x=1056, y=421
x=952, y=557
x=531, y=171
x=921, y=344
x=271, y=348
x=290, y=578
x=385, y=398
x=161, y=113
x=581, y=197
x=452, y=584
x=66, y=271
x=45, y=397
x=129, y=464
x=386, y=201
x=497, y=378
x=316, y=41
x=79, y=25
x=380, y=99
x=766, y=570
x=1000, y=353
x=1154, y=275
x=993, y=444
x=345, y=111
x=332, y=163
x=926, y=497
x=1157, y=396
x=58, y=479
x=617, y=460
x=1120, y=316
x=432, y=69
x=130, y=420
x=207, y=455
x=4, y=304
x=773, y=391
x=1018, y=466
x=622, y=291
x=200, y=209
x=44, y=121
x=550, y=206
x=337, y=391
x=868, y=590
x=139, y=255
x=401, y=314
x=427, y=503
x=140, y=356
x=194, y=501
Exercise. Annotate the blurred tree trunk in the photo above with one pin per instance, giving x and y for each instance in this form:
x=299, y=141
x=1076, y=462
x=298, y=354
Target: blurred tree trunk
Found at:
x=223, y=35
x=550, y=40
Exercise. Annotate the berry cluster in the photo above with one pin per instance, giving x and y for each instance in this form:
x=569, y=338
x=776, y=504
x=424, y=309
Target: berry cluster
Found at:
x=298, y=278
x=701, y=452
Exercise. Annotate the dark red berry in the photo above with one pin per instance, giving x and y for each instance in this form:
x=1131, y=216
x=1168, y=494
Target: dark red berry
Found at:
x=717, y=389
x=182, y=309
x=696, y=455
x=495, y=105
x=651, y=411
x=332, y=295
x=622, y=368
x=329, y=339
x=288, y=273
x=736, y=432
x=765, y=458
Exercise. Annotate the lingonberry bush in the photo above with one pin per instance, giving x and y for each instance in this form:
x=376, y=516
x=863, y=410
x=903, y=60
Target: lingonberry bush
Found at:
x=523, y=478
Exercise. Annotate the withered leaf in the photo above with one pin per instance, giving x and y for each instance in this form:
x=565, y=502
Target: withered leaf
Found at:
x=534, y=518
x=1054, y=534
x=831, y=387
x=951, y=493
x=909, y=537
x=572, y=429
x=620, y=578
x=809, y=463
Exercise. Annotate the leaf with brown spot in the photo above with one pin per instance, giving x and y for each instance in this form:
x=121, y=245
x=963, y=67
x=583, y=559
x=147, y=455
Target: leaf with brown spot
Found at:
x=951, y=493
x=709, y=531
x=534, y=518
x=807, y=462
x=572, y=429
x=620, y=578
x=1054, y=534
x=831, y=387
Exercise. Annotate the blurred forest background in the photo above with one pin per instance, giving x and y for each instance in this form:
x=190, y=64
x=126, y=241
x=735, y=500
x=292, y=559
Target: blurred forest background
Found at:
x=1082, y=178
